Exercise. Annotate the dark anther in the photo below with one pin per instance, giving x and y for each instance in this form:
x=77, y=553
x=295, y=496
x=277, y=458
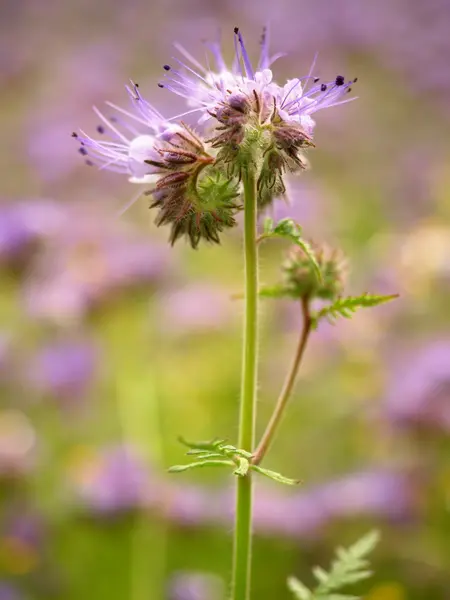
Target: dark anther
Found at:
x=355, y=80
x=82, y=151
x=340, y=80
x=236, y=30
x=166, y=67
x=113, y=119
x=100, y=129
x=323, y=87
x=136, y=85
x=74, y=134
x=349, y=90
x=316, y=79
x=160, y=85
x=89, y=163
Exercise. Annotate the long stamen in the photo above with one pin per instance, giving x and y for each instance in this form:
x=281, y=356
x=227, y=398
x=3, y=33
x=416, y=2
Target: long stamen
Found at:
x=245, y=58
x=110, y=125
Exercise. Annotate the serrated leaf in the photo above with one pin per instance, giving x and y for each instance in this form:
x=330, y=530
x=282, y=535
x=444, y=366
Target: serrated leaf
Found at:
x=300, y=591
x=345, y=307
x=349, y=567
x=200, y=464
x=366, y=544
x=320, y=574
x=274, y=475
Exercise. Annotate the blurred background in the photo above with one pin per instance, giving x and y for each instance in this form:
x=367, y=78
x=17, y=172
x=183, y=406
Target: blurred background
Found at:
x=112, y=344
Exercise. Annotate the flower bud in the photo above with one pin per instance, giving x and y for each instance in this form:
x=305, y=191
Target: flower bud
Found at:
x=300, y=276
x=192, y=196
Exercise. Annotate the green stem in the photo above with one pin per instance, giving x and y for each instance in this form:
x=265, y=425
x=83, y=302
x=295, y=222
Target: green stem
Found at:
x=288, y=386
x=244, y=495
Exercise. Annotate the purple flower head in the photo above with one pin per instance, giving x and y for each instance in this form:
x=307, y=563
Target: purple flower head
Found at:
x=126, y=140
x=197, y=308
x=420, y=389
x=24, y=222
x=89, y=263
x=377, y=493
x=113, y=481
x=8, y=592
x=22, y=537
x=64, y=369
x=210, y=91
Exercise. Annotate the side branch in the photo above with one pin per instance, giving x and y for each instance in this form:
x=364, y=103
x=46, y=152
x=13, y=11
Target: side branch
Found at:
x=288, y=386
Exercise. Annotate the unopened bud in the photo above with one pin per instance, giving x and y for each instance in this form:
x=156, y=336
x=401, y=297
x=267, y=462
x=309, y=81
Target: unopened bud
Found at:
x=301, y=278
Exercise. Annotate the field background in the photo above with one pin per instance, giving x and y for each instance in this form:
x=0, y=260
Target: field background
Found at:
x=112, y=344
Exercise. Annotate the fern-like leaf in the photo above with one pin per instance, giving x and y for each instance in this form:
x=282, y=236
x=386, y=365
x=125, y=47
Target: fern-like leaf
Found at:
x=349, y=566
x=345, y=307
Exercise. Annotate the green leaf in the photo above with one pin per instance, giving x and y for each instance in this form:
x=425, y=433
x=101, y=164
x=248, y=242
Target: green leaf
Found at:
x=349, y=566
x=345, y=307
x=276, y=291
x=208, y=445
x=366, y=544
x=300, y=591
x=274, y=475
x=200, y=464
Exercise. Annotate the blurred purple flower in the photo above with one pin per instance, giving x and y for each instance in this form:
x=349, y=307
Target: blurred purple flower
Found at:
x=113, y=481
x=8, y=592
x=90, y=261
x=197, y=308
x=50, y=120
x=26, y=221
x=21, y=539
x=185, y=585
x=65, y=369
x=378, y=494
x=419, y=392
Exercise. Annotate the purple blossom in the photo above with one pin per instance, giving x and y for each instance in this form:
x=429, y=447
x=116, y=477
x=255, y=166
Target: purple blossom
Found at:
x=197, y=308
x=419, y=392
x=23, y=222
x=9, y=592
x=375, y=493
x=91, y=261
x=210, y=90
x=65, y=369
x=125, y=141
x=113, y=481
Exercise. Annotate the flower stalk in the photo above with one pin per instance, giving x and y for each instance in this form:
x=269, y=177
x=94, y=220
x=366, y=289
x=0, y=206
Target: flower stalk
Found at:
x=244, y=492
x=288, y=386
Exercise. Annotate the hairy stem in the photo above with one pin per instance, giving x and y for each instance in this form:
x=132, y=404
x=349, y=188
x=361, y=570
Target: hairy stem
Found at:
x=288, y=386
x=244, y=495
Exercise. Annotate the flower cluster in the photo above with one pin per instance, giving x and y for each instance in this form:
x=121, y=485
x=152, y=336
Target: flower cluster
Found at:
x=250, y=123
